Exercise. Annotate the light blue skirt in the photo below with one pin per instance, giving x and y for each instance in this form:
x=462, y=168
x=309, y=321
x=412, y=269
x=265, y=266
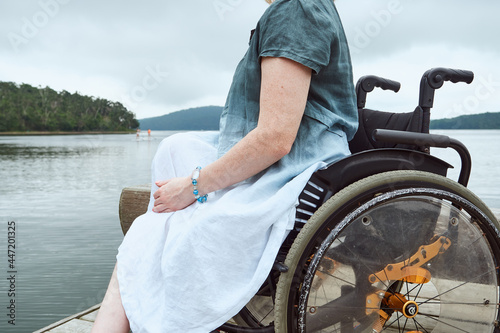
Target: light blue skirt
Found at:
x=192, y=270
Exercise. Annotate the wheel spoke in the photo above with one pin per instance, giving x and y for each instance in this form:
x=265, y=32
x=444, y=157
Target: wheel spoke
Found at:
x=463, y=303
x=404, y=326
x=419, y=286
x=456, y=287
x=419, y=326
x=398, y=316
x=444, y=323
x=267, y=315
x=340, y=279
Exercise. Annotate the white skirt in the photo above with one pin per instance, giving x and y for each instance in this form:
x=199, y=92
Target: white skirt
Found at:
x=192, y=270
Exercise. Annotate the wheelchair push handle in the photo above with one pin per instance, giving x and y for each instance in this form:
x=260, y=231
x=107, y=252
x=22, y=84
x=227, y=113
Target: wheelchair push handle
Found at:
x=437, y=76
x=367, y=83
x=434, y=78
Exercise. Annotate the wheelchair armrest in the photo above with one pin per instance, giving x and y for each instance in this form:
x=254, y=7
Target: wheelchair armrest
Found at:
x=431, y=140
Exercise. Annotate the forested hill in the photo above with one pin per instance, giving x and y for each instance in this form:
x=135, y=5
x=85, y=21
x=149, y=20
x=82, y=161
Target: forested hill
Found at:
x=202, y=118
x=488, y=120
x=207, y=118
x=27, y=108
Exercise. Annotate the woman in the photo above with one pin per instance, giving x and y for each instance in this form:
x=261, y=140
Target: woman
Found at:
x=193, y=261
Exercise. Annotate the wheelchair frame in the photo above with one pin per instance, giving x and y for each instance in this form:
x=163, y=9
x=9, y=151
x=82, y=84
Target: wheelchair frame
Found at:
x=389, y=150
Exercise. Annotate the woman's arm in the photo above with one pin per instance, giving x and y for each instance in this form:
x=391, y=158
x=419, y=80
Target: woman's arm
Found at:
x=284, y=89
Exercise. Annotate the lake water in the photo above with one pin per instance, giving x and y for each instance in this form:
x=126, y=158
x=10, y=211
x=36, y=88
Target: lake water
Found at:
x=62, y=193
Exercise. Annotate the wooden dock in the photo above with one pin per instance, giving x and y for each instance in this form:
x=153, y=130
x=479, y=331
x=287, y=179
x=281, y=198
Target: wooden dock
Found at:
x=78, y=323
x=136, y=199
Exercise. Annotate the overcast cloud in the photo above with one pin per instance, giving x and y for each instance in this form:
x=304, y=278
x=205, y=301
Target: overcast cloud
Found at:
x=162, y=56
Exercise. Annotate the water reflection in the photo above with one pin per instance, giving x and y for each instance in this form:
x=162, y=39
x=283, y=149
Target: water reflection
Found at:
x=63, y=193
x=11, y=151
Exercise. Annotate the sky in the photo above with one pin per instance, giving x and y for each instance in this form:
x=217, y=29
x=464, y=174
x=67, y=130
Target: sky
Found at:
x=160, y=56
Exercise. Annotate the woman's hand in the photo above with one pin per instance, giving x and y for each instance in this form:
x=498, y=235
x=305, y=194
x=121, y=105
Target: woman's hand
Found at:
x=173, y=195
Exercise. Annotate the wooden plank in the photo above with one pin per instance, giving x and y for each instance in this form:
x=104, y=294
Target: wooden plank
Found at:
x=90, y=317
x=133, y=202
x=74, y=326
x=66, y=320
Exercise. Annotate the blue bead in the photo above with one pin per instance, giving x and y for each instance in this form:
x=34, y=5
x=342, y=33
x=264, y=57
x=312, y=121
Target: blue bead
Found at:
x=195, y=192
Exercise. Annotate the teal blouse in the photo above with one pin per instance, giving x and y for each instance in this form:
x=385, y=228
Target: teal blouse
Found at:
x=309, y=32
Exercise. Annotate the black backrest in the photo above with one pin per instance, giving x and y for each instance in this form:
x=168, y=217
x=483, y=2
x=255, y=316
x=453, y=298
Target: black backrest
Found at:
x=369, y=120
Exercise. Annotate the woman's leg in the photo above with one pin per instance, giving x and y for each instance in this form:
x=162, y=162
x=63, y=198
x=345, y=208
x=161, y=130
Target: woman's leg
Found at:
x=111, y=317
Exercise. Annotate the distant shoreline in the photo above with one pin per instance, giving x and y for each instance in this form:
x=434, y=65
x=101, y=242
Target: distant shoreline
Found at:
x=44, y=133
x=34, y=133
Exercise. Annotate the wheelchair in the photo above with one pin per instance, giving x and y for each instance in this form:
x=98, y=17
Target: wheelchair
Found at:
x=383, y=240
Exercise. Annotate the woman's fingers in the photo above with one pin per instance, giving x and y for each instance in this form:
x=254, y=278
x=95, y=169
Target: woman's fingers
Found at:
x=161, y=207
x=160, y=183
x=173, y=194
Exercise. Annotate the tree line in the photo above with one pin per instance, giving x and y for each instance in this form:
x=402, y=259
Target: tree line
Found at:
x=27, y=108
x=488, y=120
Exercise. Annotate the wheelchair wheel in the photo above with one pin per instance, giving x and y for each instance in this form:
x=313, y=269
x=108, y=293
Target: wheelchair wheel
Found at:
x=258, y=314
x=401, y=251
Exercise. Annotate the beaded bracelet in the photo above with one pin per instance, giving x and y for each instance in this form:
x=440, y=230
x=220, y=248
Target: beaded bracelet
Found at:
x=194, y=181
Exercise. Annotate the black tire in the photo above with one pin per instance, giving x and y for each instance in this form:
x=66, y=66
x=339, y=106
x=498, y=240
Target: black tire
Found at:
x=340, y=276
